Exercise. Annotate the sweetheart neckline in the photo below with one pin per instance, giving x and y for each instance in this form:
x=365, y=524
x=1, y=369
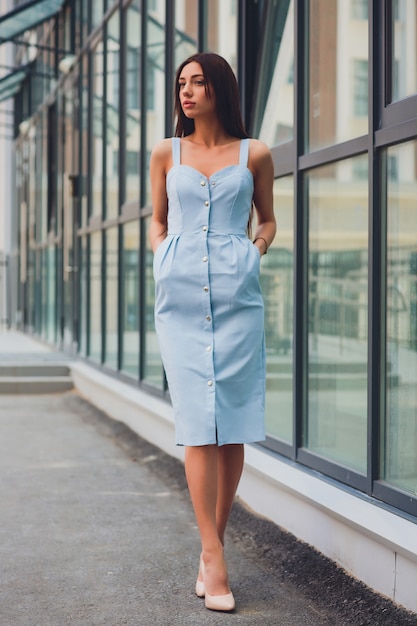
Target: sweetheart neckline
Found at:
x=214, y=173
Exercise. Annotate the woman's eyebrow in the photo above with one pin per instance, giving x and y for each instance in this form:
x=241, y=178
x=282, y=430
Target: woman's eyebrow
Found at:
x=193, y=76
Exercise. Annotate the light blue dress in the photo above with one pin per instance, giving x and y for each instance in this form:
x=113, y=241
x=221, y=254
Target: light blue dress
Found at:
x=209, y=312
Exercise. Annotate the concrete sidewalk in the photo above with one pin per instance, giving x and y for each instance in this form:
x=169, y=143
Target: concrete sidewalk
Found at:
x=96, y=528
x=89, y=536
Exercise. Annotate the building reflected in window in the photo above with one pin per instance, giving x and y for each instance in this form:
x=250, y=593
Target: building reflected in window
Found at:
x=336, y=423
x=399, y=448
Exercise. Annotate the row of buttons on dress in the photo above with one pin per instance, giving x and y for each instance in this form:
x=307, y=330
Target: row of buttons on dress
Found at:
x=205, y=259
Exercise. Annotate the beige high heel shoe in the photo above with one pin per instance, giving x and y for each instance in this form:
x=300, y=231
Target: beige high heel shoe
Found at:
x=200, y=589
x=225, y=602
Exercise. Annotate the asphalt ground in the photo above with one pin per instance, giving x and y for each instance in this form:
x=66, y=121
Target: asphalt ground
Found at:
x=96, y=528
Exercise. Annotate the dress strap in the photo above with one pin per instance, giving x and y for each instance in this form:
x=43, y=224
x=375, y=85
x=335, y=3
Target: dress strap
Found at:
x=176, y=150
x=244, y=152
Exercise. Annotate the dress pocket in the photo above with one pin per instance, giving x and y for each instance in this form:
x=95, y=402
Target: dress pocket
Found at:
x=158, y=254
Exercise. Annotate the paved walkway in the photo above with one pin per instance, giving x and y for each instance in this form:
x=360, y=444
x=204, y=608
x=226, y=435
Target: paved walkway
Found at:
x=96, y=528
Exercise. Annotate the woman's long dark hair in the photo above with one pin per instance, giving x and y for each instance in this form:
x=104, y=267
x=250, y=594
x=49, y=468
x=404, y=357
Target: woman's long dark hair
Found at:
x=220, y=78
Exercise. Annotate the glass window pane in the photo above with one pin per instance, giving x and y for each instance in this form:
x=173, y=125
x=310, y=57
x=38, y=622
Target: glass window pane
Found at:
x=359, y=9
x=97, y=11
x=186, y=21
x=274, y=124
x=95, y=296
x=153, y=370
x=338, y=74
x=112, y=116
x=277, y=280
x=133, y=25
x=404, y=45
x=399, y=429
x=221, y=27
x=44, y=292
x=130, y=355
x=112, y=300
x=83, y=259
x=97, y=134
x=84, y=140
x=336, y=425
x=51, y=282
x=155, y=67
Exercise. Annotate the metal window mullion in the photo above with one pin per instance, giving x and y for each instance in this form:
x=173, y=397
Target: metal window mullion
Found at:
x=88, y=191
x=169, y=64
x=104, y=127
x=104, y=203
x=88, y=296
x=202, y=26
x=247, y=54
x=76, y=218
x=377, y=227
x=90, y=134
x=300, y=323
x=122, y=179
x=143, y=190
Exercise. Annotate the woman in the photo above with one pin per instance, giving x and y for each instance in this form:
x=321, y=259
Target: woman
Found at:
x=208, y=307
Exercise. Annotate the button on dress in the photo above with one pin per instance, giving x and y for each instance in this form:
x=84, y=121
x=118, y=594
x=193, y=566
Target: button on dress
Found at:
x=209, y=311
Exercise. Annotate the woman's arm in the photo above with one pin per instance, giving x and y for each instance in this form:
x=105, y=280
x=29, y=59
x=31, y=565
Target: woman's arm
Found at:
x=260, y=162
x=158, y=169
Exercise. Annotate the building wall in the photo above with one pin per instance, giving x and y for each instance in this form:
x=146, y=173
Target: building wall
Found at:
x=6, y=181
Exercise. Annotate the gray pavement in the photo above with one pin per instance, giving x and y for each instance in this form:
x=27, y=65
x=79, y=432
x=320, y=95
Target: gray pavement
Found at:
x=96, y=528
x=90, y=537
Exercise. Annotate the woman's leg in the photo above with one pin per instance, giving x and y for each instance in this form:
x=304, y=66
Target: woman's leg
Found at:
x=201, y=468
x=213, y=476
x=229, y=470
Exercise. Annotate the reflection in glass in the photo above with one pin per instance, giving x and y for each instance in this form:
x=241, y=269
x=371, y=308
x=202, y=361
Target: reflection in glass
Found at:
x=274, y=104
x=112, y=117
x=186, y=23
x=112, y=300
x=155, y=68
x=83, y=274
x=51, y=297
x=43, y=289
x=95, y=324
x=153, y=371
x=70, y=137
x=277, y=280
x=84, y=140
x=222, y=29
x=97, y=11
x=400, y=429
x=38, y=186
x=97, y=134
x=130, y=354
x=336, y=425
x=404, y=34
x=338, y=74
x=133, y=25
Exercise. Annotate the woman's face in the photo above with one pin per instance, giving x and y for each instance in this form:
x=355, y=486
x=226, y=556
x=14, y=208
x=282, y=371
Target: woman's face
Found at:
x=194, y=99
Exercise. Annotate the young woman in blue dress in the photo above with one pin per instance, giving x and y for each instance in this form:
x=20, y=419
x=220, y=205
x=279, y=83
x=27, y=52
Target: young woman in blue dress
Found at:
x=210, y=132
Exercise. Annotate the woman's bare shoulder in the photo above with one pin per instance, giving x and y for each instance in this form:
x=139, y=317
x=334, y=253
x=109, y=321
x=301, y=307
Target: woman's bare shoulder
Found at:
x=162, y=149
x=259, y=149
x=259, y=154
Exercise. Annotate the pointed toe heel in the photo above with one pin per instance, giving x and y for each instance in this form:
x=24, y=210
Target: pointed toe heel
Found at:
x=225, y=602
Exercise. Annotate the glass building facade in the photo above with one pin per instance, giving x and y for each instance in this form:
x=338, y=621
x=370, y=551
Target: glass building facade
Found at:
x=331, y=87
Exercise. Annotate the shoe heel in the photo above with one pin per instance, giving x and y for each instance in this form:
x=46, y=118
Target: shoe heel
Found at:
x=225, y=602
x=200, y=589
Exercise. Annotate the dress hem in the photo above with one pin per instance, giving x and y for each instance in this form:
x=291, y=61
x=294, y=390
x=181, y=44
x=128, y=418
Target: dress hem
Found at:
x=223, y=443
